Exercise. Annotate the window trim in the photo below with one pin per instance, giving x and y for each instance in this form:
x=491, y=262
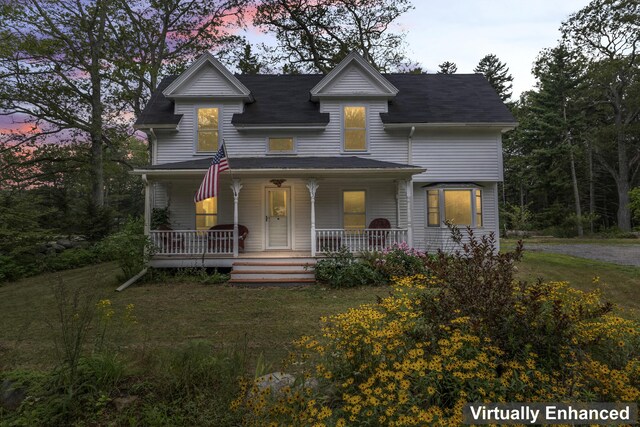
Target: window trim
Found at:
x=275, y=153
x=342, y=213
x=196, y=214
x=441, y=208
x=343, y=149
x=195, y=128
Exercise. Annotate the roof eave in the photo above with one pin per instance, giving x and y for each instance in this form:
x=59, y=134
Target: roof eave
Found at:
x=261, y=171
x=504, y=126
x=142, y=126
x=283, y=126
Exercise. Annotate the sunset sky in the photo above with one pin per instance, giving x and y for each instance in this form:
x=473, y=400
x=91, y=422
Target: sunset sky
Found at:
x=463, y=31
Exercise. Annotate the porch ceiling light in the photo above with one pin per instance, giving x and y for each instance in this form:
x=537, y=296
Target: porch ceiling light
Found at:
x=278, y=182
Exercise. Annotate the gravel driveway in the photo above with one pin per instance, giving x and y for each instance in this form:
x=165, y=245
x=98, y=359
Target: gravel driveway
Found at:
x=626, y=254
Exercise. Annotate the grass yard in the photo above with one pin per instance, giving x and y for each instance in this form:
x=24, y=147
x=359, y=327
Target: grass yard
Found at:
x=619, y=284
x=170, y=315
x=265, y=319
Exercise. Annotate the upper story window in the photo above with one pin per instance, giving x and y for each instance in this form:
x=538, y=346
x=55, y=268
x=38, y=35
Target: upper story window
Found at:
x=354, y=210
x=206, y=213
x=355, y=128
x=208, y=130
x=462, y=207
x=281, y=145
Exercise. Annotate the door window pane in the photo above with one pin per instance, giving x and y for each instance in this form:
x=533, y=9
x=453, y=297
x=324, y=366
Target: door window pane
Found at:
x=278, y=203
x=207, y=129
x=457, y=206
x=354, y=210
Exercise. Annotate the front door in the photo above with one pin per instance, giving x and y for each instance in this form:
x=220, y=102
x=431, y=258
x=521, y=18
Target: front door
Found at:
x=278, y=218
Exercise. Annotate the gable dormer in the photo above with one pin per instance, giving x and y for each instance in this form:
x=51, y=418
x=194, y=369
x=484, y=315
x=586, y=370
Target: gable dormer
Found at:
x=207, y=78
x=354, y=78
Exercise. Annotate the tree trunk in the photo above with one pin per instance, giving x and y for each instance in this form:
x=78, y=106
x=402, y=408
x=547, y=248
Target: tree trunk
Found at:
x=622, y=178
x=592, y=191
x=97, y=170
x=576, y=193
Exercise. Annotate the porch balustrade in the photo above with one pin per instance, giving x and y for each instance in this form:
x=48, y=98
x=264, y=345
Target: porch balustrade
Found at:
x=192, y=242
x=368, y=239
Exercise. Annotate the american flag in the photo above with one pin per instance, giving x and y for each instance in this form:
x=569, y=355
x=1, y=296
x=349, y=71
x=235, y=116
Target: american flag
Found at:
x=209, y=186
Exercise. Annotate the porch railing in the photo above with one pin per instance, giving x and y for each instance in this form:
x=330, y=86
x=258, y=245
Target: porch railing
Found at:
x=192, y=242
x=369, y=239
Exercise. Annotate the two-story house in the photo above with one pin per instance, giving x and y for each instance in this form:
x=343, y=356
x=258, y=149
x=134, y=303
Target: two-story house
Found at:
x=353, y=158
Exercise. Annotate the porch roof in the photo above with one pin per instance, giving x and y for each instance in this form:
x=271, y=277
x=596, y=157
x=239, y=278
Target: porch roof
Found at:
x=341, y=164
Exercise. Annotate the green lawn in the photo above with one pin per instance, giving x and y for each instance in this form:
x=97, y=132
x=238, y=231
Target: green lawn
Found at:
x=620, y=284
x=170, y=315
x=266, y=319
x=576, y=240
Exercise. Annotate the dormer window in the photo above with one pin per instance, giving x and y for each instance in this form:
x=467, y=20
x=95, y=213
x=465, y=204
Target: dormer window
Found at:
x=208, y=130
x=354, y=128
x=281, y=145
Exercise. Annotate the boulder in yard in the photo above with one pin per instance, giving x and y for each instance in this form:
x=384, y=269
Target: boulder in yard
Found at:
x=11, y=395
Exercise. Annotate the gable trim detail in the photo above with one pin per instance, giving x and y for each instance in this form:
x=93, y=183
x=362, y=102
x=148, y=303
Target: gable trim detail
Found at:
x=202, y=61
x=388, y=89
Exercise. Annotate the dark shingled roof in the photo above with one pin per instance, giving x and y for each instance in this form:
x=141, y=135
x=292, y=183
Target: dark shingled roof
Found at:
x=422, y=98
x=445, y=98
x=159, y=110
x=280, y=100
x=239, y=163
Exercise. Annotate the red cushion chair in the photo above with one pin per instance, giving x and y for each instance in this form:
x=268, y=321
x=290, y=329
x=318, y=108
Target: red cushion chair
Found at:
x=377, y=239
x=226, y=243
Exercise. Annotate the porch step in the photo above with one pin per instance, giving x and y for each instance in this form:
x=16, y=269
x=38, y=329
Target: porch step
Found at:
x=273, y=272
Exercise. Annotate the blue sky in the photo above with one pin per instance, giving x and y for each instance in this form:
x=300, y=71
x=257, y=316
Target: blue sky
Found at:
x=463, y=31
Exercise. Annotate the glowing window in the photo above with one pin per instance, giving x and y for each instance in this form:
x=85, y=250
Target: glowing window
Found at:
x=280, y=144
x=207, y=129
x=354, y=210
x=433, y=208
x=462, y=207
x=355, y=128
x=206, y=213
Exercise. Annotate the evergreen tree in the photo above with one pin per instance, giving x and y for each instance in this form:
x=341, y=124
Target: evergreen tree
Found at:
x=497, y=73
x=249, y=63
x=447, y=67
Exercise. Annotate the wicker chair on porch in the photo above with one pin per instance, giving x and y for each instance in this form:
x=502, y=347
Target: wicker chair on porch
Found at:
x=378, y=239
x=226, y=243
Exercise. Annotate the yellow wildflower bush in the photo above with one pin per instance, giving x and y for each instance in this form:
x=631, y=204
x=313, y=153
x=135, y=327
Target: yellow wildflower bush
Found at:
x=417, y=356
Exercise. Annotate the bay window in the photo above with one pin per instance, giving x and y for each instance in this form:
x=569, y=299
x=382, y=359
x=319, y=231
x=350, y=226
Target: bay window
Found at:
x=460, y=206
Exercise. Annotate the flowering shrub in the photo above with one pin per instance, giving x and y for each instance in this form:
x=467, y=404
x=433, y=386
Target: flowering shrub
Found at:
x=343, y=270
x=400, y=260
x=402, y=361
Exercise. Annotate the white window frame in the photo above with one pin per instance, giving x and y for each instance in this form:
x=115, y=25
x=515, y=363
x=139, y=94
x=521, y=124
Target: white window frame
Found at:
x=343, y=149
x=441, y=208
x=275, y=153
x=195, y=128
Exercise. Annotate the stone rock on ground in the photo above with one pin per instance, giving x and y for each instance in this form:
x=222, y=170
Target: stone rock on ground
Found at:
x=66, y=243
x=276, y=381
x=122, y=403
x=11, y=397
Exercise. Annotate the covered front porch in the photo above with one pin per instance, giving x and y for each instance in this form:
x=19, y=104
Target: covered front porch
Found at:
x=282, y=213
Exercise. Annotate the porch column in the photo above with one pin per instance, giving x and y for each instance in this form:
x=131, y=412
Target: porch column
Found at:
x=312, y=185
x=147, y=205
x=399, y=190
x=236, y=186
x=409, y=189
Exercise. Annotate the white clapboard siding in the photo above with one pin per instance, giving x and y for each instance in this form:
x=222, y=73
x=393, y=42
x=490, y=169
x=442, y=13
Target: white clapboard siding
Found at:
x=458, y=155
x=353, y=81
x=207, y=81
x=432, y=238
